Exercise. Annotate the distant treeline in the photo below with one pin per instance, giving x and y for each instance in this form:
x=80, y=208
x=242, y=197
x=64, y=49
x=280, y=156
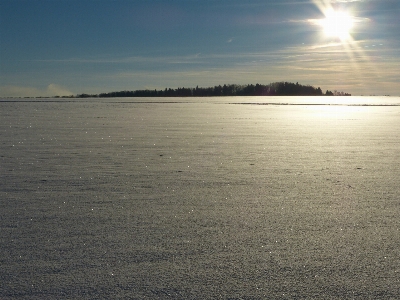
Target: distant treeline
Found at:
x=273, y=89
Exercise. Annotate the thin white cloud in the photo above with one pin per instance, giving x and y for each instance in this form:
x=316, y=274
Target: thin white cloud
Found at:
x=330, y=66
x=126, y=60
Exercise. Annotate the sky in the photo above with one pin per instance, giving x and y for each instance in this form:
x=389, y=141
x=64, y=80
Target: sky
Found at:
x=69, y=47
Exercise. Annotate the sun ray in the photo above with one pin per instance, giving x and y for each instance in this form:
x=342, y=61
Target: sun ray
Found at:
x=337, y=27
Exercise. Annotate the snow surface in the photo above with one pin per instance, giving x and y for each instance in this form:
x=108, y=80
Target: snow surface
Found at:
x=210, y=198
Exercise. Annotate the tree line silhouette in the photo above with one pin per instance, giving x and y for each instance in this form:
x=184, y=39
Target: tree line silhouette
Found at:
x=272, y=89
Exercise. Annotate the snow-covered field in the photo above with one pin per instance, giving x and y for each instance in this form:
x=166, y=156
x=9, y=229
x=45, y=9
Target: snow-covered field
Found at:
x=185, y=198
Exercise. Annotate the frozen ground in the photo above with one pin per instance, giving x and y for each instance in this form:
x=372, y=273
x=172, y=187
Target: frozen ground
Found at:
x=199, y=199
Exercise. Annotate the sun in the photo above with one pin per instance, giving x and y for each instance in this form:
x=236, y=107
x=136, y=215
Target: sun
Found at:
x=337, y=24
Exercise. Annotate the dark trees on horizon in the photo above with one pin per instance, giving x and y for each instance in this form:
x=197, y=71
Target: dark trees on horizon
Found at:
x=273, y=89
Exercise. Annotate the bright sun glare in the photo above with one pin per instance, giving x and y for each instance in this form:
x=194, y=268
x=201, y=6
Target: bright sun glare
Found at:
x=337, y=24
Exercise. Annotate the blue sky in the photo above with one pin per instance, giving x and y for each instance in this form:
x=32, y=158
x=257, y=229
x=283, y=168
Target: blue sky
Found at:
x=61, y=47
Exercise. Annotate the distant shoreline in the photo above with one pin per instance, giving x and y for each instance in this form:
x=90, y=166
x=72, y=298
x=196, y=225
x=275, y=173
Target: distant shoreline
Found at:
x=272, y=89
x=76, y=100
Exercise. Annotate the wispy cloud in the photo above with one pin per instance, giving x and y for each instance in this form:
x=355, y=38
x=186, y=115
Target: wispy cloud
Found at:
x=330, y=66
x=190, y=58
